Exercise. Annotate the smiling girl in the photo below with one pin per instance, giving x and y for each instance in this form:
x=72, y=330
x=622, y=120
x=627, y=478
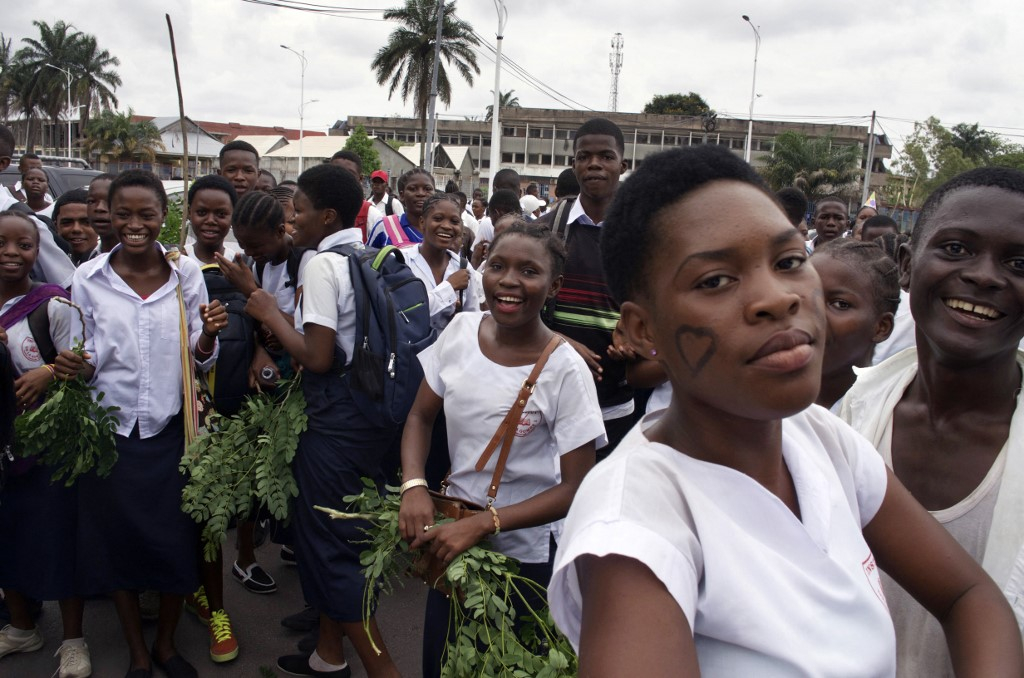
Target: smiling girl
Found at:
x=414, y=188
x=211, y=200
x=740, y=531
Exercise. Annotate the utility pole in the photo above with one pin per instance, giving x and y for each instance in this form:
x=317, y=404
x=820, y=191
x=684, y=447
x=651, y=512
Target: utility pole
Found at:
x=615, y=61
x=871, y=160
x=499, y=5
x=432, y=119
x=753, y=89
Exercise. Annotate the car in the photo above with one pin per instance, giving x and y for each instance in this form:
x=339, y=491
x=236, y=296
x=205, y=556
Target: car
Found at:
x=60, y=179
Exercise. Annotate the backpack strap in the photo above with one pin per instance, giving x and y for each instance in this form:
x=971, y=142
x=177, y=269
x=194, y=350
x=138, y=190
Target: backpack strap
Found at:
x=294, y=261
x=39, y=326
x=361, y=217
x=394, y=231
x=389, y=206
x=560, y=223
x=506, y=432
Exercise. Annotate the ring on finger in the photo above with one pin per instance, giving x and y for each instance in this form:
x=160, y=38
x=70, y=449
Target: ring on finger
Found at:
x=426, y=528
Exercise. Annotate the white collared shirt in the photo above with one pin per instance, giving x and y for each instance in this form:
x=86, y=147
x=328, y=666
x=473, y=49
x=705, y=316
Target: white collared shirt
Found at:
x=578, y=214
x=327, y=295
x=135, y=343
x=443, y=296
x=54, y=264
x=396, y=206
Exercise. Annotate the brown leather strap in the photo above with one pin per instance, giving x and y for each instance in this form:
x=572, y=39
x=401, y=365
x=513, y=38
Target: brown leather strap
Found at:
x=506, y=432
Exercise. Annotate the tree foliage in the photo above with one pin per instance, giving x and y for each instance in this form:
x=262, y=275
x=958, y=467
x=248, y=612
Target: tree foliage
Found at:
x=818, y=167
x=505, y=100
x=690, y=103
x=405, y=63
x=360, y=143
x=115, y=136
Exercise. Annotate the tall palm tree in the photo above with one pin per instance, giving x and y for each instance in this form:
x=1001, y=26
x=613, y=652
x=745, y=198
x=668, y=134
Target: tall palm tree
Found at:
x=6, y=80
x=57, y=46
x=506, y=100
x=115, y=137
x=815, y=166
x=95, y=78
x=406, y=61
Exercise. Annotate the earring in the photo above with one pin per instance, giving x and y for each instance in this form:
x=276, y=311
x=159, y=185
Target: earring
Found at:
x=654, y=352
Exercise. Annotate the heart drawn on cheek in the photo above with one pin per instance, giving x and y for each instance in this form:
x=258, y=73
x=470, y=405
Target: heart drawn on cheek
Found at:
x=696, y=346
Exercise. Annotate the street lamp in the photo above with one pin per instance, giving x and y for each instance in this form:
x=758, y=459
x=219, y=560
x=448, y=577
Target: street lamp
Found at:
x=499, y=5
x=753, y=86
x=67, y=73
x=302, y=97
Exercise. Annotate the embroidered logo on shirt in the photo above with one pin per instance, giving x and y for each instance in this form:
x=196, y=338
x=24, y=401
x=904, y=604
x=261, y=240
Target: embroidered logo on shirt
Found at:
x=874, y=579
x=30, y=350
x=527, y=422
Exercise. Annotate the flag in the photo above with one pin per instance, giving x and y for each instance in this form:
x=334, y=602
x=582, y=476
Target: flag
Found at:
x=871, y=202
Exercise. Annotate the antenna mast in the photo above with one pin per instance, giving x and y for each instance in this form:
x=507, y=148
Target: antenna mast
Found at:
x=615, y=61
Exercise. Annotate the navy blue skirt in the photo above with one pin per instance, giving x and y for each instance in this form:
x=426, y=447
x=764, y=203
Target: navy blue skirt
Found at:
x=336, y=451
x=37, y=535
x=132, y=533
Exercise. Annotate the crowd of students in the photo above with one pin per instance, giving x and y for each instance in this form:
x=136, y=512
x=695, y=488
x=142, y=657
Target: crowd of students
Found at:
x=675, y=473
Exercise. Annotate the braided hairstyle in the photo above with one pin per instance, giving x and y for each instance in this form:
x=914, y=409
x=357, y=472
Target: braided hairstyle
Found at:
x=259, y=211
x=873, y=261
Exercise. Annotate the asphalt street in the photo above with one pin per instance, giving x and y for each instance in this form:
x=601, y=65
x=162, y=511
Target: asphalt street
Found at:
x=256, y=620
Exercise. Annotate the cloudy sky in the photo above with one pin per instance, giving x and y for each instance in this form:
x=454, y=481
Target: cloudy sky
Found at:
x=820, y=60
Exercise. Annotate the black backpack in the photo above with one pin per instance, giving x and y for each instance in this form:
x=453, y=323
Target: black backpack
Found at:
x=228, y=380
x=392, y=327
x=8, y=405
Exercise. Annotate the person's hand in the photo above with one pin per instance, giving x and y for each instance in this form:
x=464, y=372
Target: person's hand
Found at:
x=237, y=273
x=261, y=305
x=69, y=364
x=460, y=279
x=416, y=512
x=450, y=539
x=215, y=317
x=260, y=360
x=592, y=359
x=480, y=251
x=270, y=339
x=620, y=348
x=30, y=387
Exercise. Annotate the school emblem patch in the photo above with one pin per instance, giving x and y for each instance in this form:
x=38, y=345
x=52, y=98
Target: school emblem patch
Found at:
x=30, y=350
x=527, y=422
x=874, y=577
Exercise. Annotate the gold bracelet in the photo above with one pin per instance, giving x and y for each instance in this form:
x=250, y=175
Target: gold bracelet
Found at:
x=53, y=372
x=497, y=521
x=409, y=484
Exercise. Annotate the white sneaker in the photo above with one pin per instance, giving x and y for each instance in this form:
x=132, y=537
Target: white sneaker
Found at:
x=10, y=644
x=74, y=661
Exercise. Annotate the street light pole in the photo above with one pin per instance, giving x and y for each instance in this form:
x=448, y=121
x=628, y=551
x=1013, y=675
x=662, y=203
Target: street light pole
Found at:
x=67, y=73
x=753, y=87
x=302, y=97
x=499, y=5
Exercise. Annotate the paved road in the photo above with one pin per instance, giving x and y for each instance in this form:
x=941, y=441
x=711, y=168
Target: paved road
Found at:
x=256, y=620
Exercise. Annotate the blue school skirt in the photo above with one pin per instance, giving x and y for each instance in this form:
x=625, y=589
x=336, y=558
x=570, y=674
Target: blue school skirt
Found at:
x=335, y=452
x=37, y=535
x=132, y=533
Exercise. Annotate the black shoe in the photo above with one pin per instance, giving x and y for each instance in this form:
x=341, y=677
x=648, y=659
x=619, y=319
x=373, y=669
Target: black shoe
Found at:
x=254, y=578
x=175, y=667
x=304, y=621
x=307, y=643
x=288, y=555
x=298, y=665
x=139, y=673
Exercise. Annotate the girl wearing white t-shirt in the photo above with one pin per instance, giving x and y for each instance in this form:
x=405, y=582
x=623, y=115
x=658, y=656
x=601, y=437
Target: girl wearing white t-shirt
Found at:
x=476, y=369
x=740, y=532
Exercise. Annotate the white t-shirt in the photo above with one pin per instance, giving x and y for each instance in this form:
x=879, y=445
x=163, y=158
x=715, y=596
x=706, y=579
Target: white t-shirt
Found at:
x=443, y=297
x=275, y=281
x=65, y=329
x=561, y=415
x=327, y=295
x=765, y=593
x=228, y=253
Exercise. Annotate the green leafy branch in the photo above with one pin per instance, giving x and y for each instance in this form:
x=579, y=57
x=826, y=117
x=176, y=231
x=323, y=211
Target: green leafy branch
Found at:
x=247, y=455
x=489, y=640
x=71, y=432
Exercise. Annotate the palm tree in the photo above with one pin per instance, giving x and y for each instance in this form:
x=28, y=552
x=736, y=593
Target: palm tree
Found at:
x=47, y=87
x=115, y=137
x=976, y=144
x=407, y=60
x=95, y=78
x=6, y=83
x=506, y=100
x=815, y=166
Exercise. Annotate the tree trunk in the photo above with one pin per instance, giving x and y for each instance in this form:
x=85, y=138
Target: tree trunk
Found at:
x=29, y=134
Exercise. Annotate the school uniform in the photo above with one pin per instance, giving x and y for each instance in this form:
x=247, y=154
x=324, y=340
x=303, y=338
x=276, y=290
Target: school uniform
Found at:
x=132, y=531
x=765, y=593
x=378, y=236
x=53, y=265
x=38, y=517
x=442, y=296
x=337, y=449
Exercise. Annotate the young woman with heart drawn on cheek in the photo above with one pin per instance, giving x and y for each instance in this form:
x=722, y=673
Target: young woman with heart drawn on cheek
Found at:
x=737, y=531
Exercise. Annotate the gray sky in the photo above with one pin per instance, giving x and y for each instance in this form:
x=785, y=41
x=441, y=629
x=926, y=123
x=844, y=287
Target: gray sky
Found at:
x=820, y=60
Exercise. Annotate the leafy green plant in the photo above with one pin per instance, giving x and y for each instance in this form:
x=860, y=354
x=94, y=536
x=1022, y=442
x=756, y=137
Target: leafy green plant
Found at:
x=171, y=231
x=489, y=586
x=245, y=456
x=71, y=432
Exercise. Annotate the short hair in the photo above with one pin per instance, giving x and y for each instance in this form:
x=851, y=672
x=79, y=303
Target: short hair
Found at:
x=105, y=176
x=833, y=198
x=628, y=237
x=794, y=204
x=258, y=210
x=138, y=178
x=238, y=145
x=288, y=182
x=869, y=258
x=283, y=193
x=507, y=178
x=552, y=243
x=213, y=182
x=880, y=221
x=331, y=187
x=76, y=196
x=603, y=127
x=504, y=201
x=24, y=217
x=451, y=186
x=6, y=141
x=866, y=207
x=890, y=243
x=351, y=157
x=406, y=176
x=268, y=173
x=29, y=156
x=983, y=177
x=431, y=202
x=567, y=184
